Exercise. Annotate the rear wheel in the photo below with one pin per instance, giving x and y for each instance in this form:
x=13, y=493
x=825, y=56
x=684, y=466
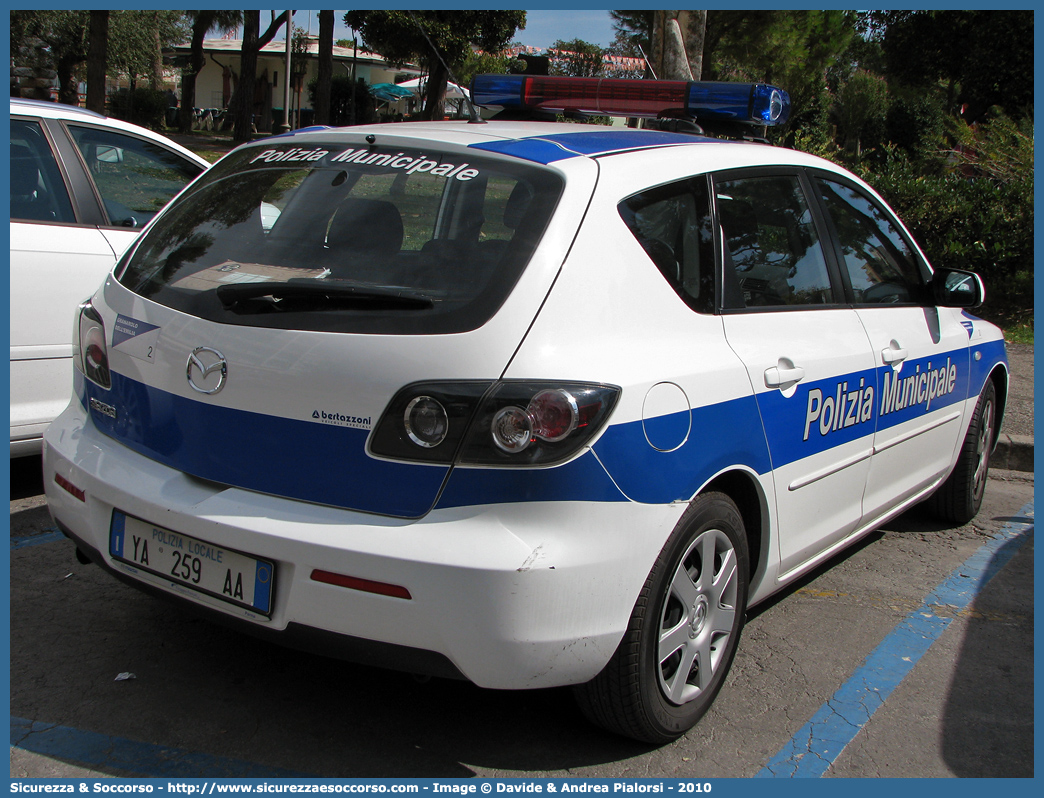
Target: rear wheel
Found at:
x=958, y=499
x=683, y=631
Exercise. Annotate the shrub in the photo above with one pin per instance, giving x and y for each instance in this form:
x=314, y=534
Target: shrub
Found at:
x=142, y=106
x=977, y=214
x=343, y=93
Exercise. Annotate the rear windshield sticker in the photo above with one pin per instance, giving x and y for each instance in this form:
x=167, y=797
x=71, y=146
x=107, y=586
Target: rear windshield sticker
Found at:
x=292, y=154
x=369, y=157
x=135, y=338
x=232, y=272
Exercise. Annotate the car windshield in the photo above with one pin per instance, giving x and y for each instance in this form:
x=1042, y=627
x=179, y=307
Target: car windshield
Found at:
x=331, y=238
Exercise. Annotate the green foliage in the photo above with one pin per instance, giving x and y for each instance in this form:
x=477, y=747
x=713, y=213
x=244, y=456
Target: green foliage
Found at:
x=343, y=93
x=577, y=59
x=64, y=34
x=405, y=36
x=134, y=36
x=142, y=106
x=792, y=49
x=482, y=63
x=398, y=37
x=133, y=40
x=860, y=111
x=976, y=215
x=916, y=121
x=633, y=33
x=975, y=59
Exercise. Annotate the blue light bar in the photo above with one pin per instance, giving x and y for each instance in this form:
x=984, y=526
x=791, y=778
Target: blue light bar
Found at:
x=751, y=103
x=746, y=103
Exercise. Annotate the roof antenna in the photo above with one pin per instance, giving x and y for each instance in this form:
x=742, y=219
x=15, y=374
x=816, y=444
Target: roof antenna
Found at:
x=647, y=63
x=473, y=116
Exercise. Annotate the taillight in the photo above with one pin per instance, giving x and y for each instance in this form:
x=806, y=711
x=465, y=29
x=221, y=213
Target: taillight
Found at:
x=505, y=423
x=92, y=355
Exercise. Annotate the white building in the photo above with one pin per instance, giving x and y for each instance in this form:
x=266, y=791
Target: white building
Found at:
x=216, y=82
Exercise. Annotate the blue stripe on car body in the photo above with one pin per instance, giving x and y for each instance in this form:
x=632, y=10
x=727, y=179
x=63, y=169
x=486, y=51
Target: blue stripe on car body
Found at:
x=329, y=464
x=548, y=149
x=317, y=462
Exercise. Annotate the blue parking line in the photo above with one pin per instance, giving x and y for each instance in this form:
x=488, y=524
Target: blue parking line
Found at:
x=818, y=743
x=93, y=750
x=47, y=536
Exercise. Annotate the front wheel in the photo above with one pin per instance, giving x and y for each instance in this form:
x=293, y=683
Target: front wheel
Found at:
x=683, y=631
x=958, y=499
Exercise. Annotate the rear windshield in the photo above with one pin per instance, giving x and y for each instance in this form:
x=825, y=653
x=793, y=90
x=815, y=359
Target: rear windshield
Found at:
x=331, y=238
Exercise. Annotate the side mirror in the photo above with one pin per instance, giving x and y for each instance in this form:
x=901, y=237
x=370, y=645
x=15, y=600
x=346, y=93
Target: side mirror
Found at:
x=955, y=288
x=107, y=154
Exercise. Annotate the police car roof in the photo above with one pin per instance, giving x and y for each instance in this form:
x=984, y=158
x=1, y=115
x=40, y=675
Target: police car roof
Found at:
x=556, y=143
x=539, y=142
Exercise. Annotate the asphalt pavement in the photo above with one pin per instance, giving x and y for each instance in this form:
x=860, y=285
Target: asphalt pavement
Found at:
x=106, y=681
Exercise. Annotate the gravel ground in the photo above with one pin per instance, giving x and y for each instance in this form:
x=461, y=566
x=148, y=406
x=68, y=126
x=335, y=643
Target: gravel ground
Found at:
x=1018, y=417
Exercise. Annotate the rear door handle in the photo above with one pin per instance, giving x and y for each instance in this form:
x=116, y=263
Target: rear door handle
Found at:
x=777, y=376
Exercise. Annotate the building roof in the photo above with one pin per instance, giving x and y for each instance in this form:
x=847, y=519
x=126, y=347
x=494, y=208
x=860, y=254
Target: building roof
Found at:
x=277, y=47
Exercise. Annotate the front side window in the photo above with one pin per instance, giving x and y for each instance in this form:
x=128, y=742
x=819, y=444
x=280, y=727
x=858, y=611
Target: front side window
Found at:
x=336, y=239
x=134, y=177
x=880, y=265
x=38, y=193
x=771, y=250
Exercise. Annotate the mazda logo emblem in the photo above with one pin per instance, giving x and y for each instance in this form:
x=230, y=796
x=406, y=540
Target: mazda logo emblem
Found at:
x=202, y=364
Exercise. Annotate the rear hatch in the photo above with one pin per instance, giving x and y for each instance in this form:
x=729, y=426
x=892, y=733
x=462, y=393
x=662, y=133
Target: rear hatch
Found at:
x=263, y=323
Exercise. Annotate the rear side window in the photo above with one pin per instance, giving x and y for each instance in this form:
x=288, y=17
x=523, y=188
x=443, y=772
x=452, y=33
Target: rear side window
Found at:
x=38, y=193
x=334, y=239
x=672, y=223
x=134, y=177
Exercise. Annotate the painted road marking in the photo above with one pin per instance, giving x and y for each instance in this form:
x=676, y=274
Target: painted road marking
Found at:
x=818, y=743
x=49, y=535
x=91, y=749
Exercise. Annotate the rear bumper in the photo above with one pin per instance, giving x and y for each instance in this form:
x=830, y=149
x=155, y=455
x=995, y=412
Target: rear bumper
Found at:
x=510, y=596
x=303, y=638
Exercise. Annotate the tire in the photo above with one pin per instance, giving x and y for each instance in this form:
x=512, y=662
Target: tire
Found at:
x=683, y=631
x=958, y=499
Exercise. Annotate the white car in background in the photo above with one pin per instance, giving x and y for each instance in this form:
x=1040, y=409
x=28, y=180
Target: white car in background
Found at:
x=82, y=187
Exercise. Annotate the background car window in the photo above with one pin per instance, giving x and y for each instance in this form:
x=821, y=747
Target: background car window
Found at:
x=135, y=178
x=672, y=223
x=881, y=267
x=770, y=244
x=38, y=192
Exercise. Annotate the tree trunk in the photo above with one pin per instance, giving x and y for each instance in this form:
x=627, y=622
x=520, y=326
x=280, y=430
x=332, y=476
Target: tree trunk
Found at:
x=156, y=73
x=244, y=108
x=68, y=90
x=694, y=31
x=97, y=55
x=203, y=22
x=670, y=60
x=238, y=88
x=322, y=88
x=435, y=92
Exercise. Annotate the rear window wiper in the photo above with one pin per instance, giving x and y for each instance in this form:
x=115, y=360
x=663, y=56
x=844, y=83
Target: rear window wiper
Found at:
x=306, y=294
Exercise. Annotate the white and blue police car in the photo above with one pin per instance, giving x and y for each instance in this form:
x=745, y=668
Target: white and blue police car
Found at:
x=526, y=403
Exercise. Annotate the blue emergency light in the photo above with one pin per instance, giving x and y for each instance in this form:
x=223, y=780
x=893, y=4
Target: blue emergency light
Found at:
x=746, y=103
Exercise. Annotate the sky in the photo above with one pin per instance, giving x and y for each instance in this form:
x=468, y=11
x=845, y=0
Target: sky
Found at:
x=543, y=27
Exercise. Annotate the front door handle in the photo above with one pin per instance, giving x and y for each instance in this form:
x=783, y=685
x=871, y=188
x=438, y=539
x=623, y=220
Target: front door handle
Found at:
x=893, y=354
x=778, y=376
